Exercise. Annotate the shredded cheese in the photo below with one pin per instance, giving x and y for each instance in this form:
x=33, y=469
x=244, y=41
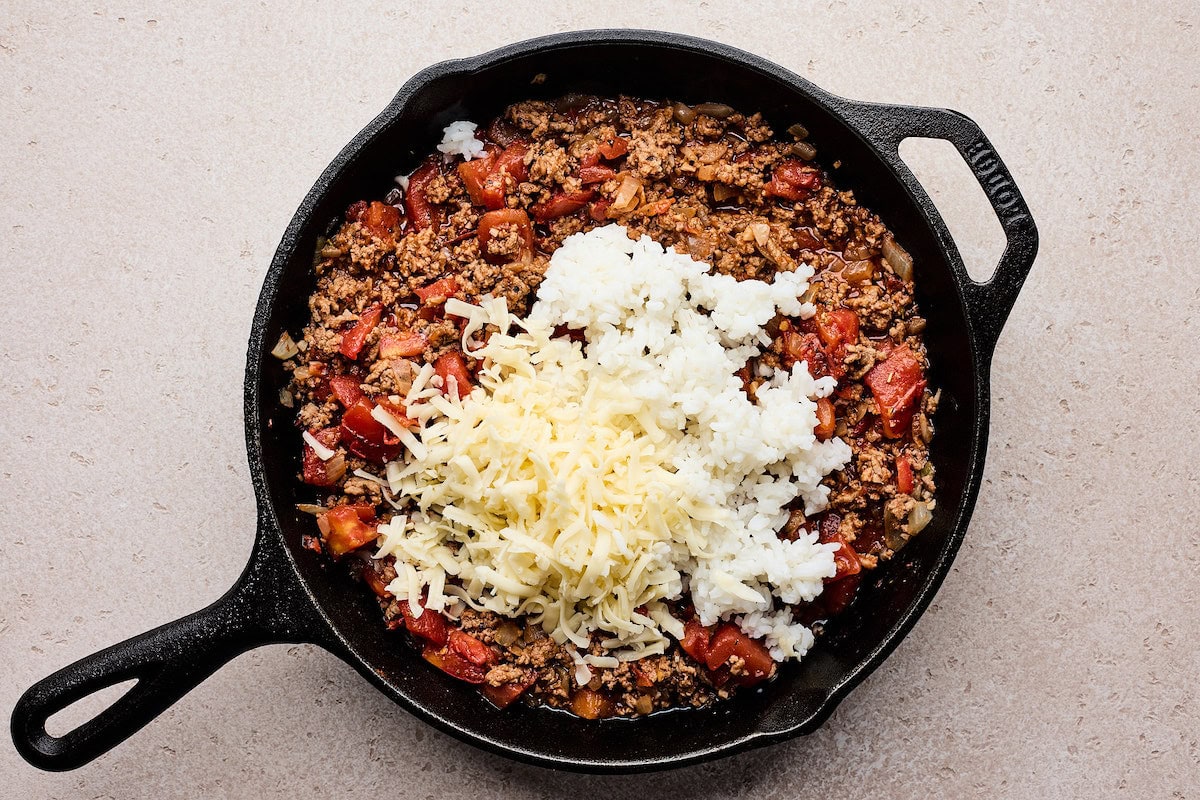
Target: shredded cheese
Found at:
x=323, y=452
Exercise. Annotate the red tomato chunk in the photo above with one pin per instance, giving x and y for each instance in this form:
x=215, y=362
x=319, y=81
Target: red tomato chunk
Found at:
x=365, y=436
x=897, y=385
x=430, y=626
x=505, y=694
x=315, y=471
x=561, y=204
x=354, y=339
x=346, y=389
x=695, y=640
x=403, y=346
x=347, y=530
x=421, y=212
x=437, y=292
x=492, y=220
x=729, y=641
x=793, y=180
x=450, y=367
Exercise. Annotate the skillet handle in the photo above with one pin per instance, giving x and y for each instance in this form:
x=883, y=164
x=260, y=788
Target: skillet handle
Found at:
x=988, y=303
x=264, y=606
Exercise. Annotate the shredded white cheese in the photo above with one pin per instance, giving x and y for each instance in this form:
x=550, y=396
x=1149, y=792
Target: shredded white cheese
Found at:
x=323, y=452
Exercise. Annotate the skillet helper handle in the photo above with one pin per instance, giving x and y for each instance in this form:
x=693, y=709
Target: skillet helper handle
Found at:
x=166, y=663
x=988, y=302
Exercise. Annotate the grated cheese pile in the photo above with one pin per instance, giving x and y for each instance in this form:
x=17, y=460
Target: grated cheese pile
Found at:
x=579, y=482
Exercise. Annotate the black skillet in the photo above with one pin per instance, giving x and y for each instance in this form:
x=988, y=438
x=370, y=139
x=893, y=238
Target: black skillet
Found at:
x=288, y=594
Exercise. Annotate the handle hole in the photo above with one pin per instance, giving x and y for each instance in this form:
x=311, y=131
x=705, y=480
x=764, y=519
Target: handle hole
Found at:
x=961, y=202
x=85, y=709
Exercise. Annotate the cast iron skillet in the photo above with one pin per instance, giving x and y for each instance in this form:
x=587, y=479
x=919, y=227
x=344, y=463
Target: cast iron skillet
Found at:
x=288, y=594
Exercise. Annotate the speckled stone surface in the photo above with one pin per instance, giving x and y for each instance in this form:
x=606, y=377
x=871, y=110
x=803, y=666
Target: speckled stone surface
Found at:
x=152, y=157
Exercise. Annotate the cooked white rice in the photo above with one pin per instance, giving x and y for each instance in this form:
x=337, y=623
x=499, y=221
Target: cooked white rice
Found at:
x=458, y=139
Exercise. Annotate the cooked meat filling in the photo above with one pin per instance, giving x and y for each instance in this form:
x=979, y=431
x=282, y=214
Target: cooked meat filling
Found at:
x=708, y=181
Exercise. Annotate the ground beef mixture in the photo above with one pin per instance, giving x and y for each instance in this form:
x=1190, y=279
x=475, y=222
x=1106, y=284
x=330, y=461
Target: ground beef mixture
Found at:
x=708, y=181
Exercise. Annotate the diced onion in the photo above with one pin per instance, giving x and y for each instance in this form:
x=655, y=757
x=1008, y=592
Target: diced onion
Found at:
x=335, y=467
x=285, y=348
x=919, y=517
x=804, y=150
x=683, y=113
x=899, y=259
x=626, y=196
x=507, y=633
x=714, y=110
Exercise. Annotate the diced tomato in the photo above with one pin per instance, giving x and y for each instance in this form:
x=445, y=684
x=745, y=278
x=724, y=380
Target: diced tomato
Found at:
x=595, y=173
x=512, y=162
x=839, y=326
x=434, y=655
x=808, y=239
x=846, y=561
x=452, y=365
x=437, y=292
x=805, y=347
x=508, y=170
x=657, y=207
x=356, y=210
x=793, y=180
x=365, y=436
x=836, y=596
x=757, y=663
x=897, y=385
x=591, y=705
x=405, y=345
x=421, y=212
x=430, y=626
x=456, y=666
x=502, y=696
x=870, y=539
x=474, y=174
x=453, y=664
x=373, y=579
x=695, y=640
x=471, y=648
x=505, y=216
x=354, y=339
x=599, y=209
x=730, y=641
x=315, y=472
x=561, y=204
x=397, y=412
x=380, y=219
x=347, y=530
x=614, y=147
x=720, y=647
x=364, y=511
x=643, y=676
x=904, y=475
x=826, y=419
x=346, y=388
x=488, y=179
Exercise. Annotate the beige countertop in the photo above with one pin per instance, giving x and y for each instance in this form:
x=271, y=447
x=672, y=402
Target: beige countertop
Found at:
x=153, y=154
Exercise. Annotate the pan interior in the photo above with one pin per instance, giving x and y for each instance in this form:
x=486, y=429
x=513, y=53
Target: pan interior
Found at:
x=477, y=91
